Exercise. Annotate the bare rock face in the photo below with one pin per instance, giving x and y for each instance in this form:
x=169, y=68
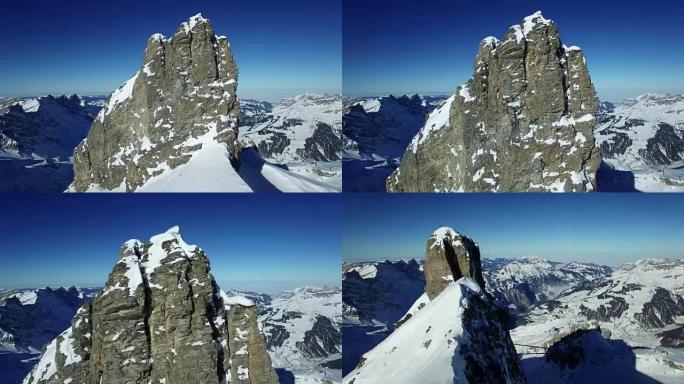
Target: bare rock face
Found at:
x=160, y=318
x=180, y=101
x=448, y=257
x=523, y=122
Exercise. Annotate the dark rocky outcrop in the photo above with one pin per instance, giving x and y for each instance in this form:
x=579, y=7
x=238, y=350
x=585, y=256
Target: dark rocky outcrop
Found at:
x=160, y=318
x=661, y=310
x=322, y=340
x=450, y=256
x=523, y=122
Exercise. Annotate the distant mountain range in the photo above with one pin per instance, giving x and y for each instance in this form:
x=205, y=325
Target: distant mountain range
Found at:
x=642, y=143
x=640, y=303
x=377, y=130
x=37, y=139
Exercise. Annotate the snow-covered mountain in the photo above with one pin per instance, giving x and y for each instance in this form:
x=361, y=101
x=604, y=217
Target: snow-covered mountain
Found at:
x=253, y=111
x=37, y=138
x=640, y=305
x=376, y=133
x=301, y=134
x=642, y=141
x=377, y=294
x=302, y=329
x=453, y=333
x=520, y=282
x=29, y=318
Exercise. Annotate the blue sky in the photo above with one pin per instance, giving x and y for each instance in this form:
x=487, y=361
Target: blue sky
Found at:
x=610, y=229
x=282, y=47
x=260, y=242
x=631, y=46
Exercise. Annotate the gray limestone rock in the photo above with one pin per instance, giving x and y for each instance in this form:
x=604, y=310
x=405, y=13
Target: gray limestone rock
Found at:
x=448, y=257
x=160, y=318
x=523, y=122
x=182, y=98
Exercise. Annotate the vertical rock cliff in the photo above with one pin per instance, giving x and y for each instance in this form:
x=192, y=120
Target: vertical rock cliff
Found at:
x=453, y=333
x=179, y=110
x=523, y=122
x=161, y=318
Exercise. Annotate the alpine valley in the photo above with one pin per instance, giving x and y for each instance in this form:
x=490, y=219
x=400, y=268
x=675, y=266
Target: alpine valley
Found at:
x=175, y=126
x=161, y=317
x=568, y=322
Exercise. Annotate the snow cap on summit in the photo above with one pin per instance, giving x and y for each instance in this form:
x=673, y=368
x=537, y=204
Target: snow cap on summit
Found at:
x=173, y=233
x=157, y=36
x=529, y=22
x=193, y=22
x=445, y=232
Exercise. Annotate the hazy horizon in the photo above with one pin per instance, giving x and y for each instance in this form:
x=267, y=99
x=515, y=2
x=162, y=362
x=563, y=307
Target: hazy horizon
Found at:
x=269, y=95
x=269, y=288
x=447, y=94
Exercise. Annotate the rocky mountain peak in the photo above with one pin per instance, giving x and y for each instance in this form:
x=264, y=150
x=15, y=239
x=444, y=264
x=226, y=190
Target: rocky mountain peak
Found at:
x=523, y=122
x=160, y=317
x=452, y=333
x=182, y=102
x=450, y=256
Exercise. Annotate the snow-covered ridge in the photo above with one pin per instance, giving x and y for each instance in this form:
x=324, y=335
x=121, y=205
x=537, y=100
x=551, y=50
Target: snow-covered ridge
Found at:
x=436, y=361
x=436, y=120
x=119, y=96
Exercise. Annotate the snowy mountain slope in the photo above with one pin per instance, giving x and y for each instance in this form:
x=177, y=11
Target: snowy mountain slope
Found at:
x=301, y=134
x=640, y=304
x=302, y=329
x=454, y=333
x=376, y=295
x=428, y=347
x=306, y=127
x=376, y=133
x=645, y=136
x=37, y=138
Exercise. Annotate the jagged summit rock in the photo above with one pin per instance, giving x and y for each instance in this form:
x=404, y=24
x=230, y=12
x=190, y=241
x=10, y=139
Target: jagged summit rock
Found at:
x=452, y=334
x=179, y=109
x=450, y=256
x=523, y=122
x=160, y=318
